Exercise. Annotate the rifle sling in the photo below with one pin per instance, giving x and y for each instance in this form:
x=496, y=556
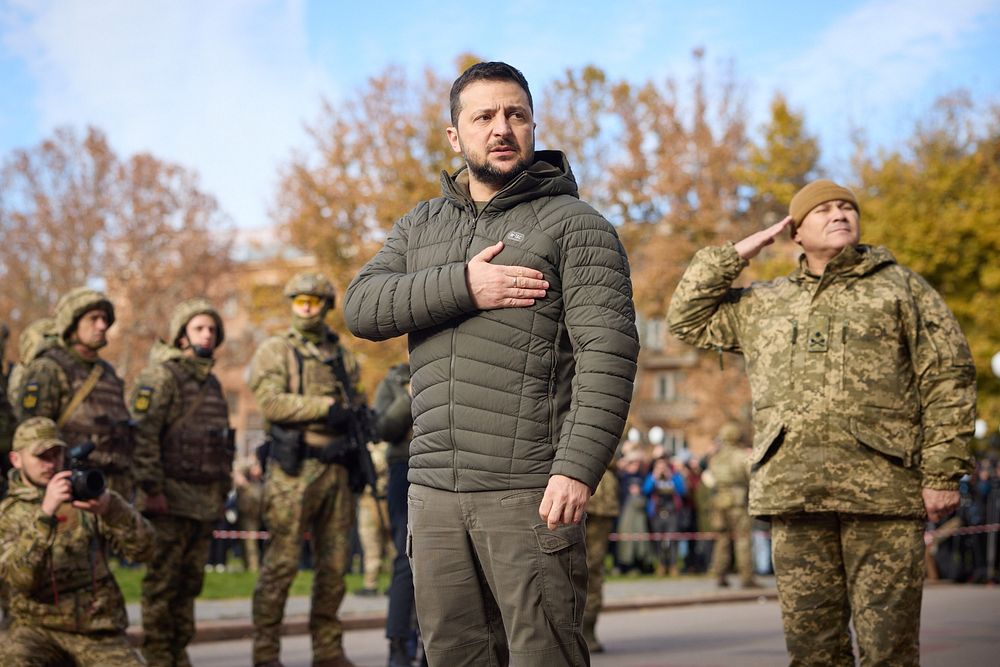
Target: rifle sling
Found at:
x=81, y=394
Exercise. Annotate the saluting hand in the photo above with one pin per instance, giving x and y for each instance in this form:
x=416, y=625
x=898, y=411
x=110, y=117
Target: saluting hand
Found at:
x=753, y=244
x=502, y=286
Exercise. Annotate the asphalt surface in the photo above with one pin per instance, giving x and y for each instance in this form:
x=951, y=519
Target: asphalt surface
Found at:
x=960, y=626
x=220, y=620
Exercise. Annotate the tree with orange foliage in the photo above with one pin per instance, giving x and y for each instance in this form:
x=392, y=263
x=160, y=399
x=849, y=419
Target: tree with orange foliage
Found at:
x=73, y=213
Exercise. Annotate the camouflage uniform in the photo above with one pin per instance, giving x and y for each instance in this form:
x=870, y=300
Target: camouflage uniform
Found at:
x=51, y=380
x=373, y=522
x=730, y=474
x=249, y=503
x=863, y=394
x=184, y=451
x=602, y=510
x=293, y=386
x=65, y=599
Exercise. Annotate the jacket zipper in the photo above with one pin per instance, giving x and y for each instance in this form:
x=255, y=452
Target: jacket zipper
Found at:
x=471, y=209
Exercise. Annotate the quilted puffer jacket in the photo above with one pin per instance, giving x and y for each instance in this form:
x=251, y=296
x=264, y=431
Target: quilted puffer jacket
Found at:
x=504, y=398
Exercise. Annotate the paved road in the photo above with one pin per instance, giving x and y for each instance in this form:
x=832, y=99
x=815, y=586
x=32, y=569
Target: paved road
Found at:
x=960, y=626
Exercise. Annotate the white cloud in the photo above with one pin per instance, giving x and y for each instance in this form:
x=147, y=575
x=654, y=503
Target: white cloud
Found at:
x=871, y=67
x=222, y=87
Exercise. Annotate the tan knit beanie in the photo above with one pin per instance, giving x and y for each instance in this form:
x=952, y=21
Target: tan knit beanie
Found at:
x=816, y=193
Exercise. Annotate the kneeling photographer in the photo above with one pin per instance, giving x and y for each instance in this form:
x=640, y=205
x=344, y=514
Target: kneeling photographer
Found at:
x=65, y=603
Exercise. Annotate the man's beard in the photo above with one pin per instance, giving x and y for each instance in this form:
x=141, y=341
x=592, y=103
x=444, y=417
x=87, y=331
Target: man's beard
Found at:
x=488, y=174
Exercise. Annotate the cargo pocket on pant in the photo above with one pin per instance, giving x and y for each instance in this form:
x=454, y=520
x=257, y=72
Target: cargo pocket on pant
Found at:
x=562, y=569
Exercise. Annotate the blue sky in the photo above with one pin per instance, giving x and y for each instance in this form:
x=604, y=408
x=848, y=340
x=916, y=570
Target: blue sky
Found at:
x=224, y=87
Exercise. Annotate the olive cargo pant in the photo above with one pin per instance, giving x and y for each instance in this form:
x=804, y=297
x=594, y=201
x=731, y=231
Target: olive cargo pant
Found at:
x=834, y=568
x=491, y=580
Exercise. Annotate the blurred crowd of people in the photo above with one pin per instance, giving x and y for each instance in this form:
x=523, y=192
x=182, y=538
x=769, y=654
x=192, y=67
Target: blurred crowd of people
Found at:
x=668, y=513
x=965, y=546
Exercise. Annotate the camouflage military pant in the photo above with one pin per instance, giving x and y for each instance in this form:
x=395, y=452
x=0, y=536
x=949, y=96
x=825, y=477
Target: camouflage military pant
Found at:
x=734, y=527
x=598, y=529
x=374, y=535
x=835, y=568
x=27, y=646
x=320, y=501
x=173, y=580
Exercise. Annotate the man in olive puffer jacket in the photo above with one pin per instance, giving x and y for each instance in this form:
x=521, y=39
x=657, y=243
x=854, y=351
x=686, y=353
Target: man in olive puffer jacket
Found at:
x=517, y=301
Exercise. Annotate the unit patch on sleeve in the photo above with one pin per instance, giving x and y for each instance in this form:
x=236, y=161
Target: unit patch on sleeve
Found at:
x=29, y=399
x=143, y=397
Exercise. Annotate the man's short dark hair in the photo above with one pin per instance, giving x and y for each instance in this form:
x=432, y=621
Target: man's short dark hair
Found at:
x=491, y=71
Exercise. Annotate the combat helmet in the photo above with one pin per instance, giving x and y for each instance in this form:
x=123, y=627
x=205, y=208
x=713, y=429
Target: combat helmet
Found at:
x=75, y=304
x=310, y=282
x=730, y=433
x=188, y=309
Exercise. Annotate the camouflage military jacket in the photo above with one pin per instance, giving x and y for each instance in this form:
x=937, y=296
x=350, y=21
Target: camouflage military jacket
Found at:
x=863, y=384
x=48, y=389
x=605, y=501
x=293, y=383
x=156, y=403
x=57, y=567
x=731, y=470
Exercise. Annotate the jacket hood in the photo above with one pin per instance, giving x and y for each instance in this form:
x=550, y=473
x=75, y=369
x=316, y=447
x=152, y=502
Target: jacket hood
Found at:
x=853, y=261
x=549, y=176
x=162, y=352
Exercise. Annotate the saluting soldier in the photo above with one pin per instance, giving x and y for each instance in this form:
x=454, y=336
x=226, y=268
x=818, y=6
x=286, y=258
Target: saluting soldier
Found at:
x=864, y=396
x=304, y=382
x=70, y=384
x=183, y=468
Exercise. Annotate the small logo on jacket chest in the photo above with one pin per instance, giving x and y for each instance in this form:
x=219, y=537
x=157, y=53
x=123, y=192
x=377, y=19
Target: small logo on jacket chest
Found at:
x=515, y=237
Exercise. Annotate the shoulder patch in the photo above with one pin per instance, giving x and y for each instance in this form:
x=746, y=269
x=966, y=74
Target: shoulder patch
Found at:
x=143, y=397
x=29, y=398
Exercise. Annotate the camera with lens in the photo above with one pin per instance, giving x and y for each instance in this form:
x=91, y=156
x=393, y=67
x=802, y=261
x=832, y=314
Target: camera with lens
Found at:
x=86, y=482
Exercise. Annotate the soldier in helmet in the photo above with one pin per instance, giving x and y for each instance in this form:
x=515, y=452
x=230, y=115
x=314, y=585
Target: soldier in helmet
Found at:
x=54, y=547
x=36, y=338
x=304, y=382
x=70, y=384
x=183, y=465
x=729, y=470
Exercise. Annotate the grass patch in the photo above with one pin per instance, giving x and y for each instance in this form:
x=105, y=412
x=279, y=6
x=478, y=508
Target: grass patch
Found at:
x=232, y=584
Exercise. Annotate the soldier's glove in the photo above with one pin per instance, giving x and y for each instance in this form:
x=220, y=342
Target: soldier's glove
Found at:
x=337, y=416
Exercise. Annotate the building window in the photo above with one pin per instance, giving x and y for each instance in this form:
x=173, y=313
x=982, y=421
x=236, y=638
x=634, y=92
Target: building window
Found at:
x=651, y=334
x=666, y=386
x=673, y=441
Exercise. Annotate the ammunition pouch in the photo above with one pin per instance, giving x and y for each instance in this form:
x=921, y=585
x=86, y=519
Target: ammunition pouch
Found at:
x=114, y=441
x=336, y=451
x=200, y=455
x=287, y=448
